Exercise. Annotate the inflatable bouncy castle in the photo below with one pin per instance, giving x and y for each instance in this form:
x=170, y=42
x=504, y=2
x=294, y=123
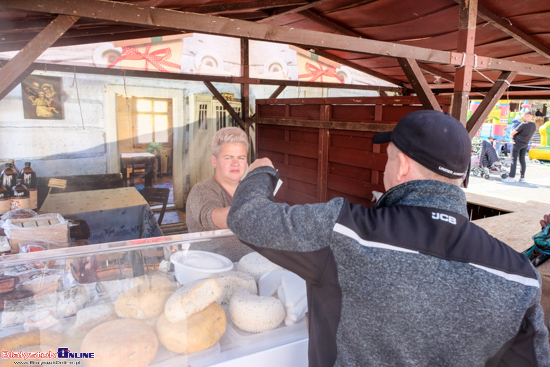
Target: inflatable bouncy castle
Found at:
x=542, y=153
x=496, y=123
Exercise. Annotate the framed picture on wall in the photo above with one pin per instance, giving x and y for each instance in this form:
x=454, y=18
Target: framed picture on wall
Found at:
x=42, y=98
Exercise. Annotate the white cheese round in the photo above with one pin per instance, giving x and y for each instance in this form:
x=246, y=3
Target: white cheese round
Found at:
x=256, y=265
x=255, y=314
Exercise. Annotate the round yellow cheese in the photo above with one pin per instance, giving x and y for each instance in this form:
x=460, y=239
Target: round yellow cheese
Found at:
x=200, y=331
x=122, y=342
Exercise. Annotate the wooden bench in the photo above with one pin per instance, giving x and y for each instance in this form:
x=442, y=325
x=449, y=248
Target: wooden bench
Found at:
x=79, y=183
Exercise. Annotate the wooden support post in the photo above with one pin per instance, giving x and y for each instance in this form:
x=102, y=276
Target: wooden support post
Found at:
x=420, y=85
x=21, y=62
x=225, y=105
x=490, y=100
x=245, y=87
x=466, y=43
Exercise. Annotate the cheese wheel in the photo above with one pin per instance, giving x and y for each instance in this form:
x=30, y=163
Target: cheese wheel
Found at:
x=255, y=314
x=122, y=342
x=232, y=281
x=200, y=331
x=146, y=299
x=256, y=265
x=192, y=298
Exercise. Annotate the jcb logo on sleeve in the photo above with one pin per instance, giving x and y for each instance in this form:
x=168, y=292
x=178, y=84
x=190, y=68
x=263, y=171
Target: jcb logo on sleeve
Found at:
x=444, y=217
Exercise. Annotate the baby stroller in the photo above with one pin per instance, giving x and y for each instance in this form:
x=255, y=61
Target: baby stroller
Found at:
x=487, y=163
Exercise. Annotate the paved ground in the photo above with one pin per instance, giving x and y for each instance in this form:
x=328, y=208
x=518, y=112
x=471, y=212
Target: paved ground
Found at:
x=536, y=188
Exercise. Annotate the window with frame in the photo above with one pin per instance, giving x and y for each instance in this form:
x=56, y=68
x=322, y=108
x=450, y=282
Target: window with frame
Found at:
x=221, y=120
x=203, y=116
x=152, y=121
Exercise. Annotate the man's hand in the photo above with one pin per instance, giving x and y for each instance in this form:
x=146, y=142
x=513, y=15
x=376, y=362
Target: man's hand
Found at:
x=260, y=162
x=545, y=221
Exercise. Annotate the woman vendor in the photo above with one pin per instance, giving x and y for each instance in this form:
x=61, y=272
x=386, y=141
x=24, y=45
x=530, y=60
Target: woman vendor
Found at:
x=210, y=200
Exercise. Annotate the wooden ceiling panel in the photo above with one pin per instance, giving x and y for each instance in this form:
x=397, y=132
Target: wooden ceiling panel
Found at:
x=502, y=49
x=510, y=8
x=534, y=23
x=389, y=12
x=435, y=24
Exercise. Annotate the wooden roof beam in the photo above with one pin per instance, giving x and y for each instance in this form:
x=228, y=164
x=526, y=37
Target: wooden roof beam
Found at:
x=191, y=22
x=202, y=78
x=20, y=64
x=360, y=68
x=277, y=91
x=490, y=100
x=512, y=31
x=81, y=40
x=436, y=72
x=419, y=84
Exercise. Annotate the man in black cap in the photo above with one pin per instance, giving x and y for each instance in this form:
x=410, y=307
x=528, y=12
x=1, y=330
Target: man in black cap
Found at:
x=411, y=281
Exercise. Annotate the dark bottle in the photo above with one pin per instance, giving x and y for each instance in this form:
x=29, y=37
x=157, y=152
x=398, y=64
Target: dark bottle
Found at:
x=4, y=200
x=28, y=176
x=14, y=166
x=19, y=196
x=9, y=175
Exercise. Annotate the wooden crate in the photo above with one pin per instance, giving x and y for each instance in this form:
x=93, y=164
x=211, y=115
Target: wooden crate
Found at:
x=323, y=147
x=53, y=230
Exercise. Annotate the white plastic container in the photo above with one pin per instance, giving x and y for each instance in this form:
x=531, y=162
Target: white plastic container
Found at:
x=192, y=265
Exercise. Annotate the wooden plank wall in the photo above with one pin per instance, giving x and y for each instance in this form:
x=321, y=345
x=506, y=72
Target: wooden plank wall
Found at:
x=323, y=147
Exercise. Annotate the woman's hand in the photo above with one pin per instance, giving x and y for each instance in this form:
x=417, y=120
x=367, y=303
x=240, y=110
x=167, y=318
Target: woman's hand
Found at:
x=545, y=221
x=260, y=162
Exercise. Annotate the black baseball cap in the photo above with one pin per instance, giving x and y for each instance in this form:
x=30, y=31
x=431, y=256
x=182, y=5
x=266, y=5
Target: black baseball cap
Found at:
x=434, y=139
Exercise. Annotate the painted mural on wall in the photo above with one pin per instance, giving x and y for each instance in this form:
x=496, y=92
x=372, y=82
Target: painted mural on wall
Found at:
x=42, y=98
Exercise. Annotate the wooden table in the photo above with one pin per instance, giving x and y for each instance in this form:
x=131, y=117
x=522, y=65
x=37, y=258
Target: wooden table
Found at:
x=127, y=161
x=113, y=215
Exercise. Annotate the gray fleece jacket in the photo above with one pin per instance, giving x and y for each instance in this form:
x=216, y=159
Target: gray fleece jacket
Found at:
x=410, y=282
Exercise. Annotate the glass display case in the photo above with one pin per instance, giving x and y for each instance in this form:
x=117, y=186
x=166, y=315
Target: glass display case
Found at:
x=163, y=301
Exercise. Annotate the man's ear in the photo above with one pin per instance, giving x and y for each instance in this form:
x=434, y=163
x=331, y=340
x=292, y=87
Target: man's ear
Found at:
x=213, y=160
x=404, y=167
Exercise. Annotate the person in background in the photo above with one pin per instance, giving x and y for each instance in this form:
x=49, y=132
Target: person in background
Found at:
x=521, y=136
x=209, y=201
x=488, y=155
x=410, y=281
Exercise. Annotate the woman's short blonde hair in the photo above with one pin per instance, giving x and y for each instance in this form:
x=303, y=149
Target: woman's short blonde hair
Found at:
x=228, y=135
